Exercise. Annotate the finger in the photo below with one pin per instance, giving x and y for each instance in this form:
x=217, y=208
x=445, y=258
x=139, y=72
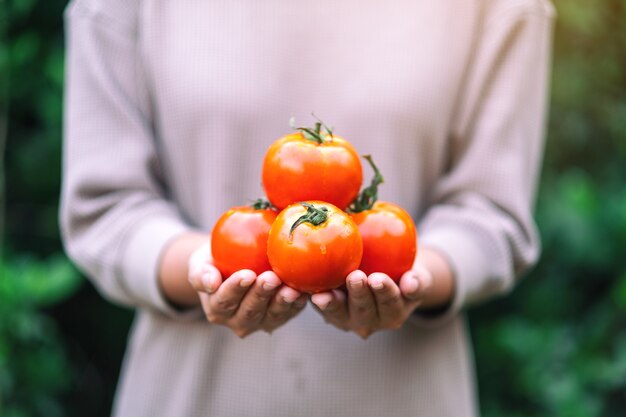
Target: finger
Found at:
x=322, y=299
x=200, y=268
x=389, y=302
x=333, y=306
x=280, y=307
x=206, y=278
x=415, y=284
x=200, y=256
x=225, y=301
x=337, y=311
x=254, y=304
x=298, y=306
x=361, y=304
x=284, y=306
x=204, y=301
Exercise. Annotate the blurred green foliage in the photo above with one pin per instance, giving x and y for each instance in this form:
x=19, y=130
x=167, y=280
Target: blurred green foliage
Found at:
x=555, y=347
x=55, y=360
x=34, y=47
x=34, y=367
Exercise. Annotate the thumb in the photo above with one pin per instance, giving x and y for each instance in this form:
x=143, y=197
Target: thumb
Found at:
x=205, y=278
x=414, y=284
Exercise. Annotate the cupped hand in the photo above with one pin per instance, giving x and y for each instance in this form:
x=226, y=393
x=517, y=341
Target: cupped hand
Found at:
x=244, y=302
x=375, y=302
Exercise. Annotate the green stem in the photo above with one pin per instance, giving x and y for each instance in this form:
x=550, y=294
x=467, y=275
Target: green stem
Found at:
x=314, y=134
x=261, y=204
x=328, y=129
x=315, y=216
x=366, y=199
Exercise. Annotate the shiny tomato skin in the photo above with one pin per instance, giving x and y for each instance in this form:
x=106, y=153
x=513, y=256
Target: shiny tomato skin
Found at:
x=298, y=169
x=239, y=240
x=314, y=258
x=389, y=239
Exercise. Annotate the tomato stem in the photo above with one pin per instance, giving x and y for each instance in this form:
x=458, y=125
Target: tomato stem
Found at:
x=260, y=204
x=369, y=195
x=328, y=129
x=313, y=215
x=313, y=134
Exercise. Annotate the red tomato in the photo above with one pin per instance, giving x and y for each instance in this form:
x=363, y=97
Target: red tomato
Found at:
x=239, y=239
x=310, y=165
x=313, y=246
x=388, y=232
x=389, y=239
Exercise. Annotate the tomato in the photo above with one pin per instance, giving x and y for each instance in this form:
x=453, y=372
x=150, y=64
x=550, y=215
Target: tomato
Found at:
x=310, y=165
x=313, y=246
x=388, y=232
x=239, y=239
x=389, y=239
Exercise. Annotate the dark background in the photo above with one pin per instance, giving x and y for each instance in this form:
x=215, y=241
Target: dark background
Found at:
x=554, y=347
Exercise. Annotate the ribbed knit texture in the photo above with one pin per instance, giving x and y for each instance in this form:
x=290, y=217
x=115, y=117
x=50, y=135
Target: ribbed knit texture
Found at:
x=170, y=107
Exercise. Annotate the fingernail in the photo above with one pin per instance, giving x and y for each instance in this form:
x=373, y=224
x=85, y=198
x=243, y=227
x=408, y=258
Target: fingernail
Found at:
x=356, y=284
x=269, y=286
x=288, y=300
x=321, y=300
x=376, y=283
x=246, y=282
x=323, y=306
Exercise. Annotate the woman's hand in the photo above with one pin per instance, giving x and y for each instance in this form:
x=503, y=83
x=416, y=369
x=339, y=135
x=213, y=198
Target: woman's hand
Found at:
x=244, y=302
x=375, y=302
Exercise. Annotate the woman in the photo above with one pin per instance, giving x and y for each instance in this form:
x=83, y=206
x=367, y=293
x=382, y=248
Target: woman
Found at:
x=169, y=109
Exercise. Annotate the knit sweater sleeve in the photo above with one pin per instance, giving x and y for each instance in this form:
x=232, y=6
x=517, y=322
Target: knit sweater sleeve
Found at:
x=115, y=216
x=480, y=215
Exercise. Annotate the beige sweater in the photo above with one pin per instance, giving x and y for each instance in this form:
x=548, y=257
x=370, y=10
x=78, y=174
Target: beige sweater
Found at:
x=170, y=107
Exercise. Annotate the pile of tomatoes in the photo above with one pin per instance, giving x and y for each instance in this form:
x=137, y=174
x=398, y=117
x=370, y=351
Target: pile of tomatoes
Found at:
x=316, y=227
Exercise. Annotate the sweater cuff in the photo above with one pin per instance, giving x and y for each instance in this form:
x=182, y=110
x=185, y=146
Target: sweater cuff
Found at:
x=141, y=261
x=470, y=269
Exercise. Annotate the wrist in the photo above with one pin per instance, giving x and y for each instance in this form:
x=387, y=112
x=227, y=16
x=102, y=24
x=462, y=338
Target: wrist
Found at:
x=174, y=269
x=439, y=292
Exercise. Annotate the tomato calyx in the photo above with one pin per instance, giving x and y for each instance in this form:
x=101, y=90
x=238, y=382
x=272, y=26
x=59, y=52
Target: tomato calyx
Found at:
x=369, y=195
x=261, y=204
x=315, y=216
x=313, y=134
